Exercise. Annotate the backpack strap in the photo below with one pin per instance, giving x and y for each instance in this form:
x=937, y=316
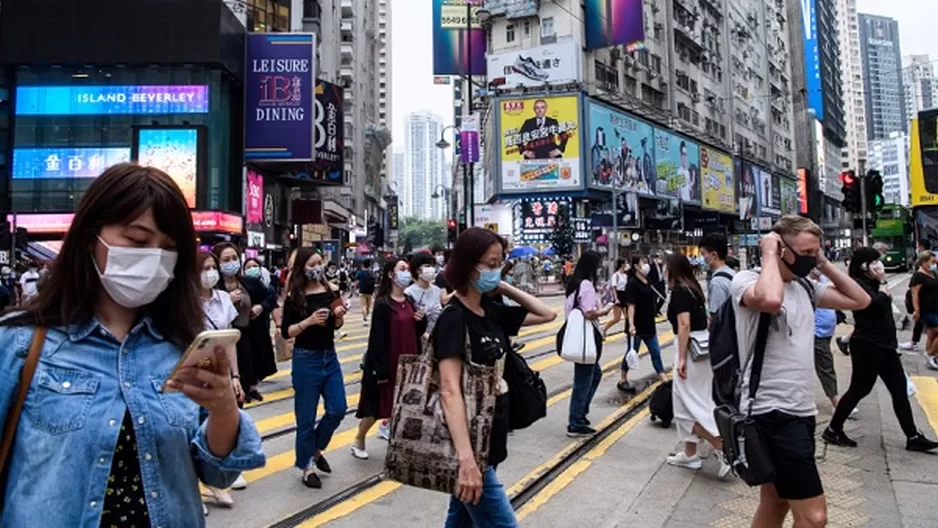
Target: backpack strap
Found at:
x=757, y=358
x=808, y=288
x=722, y=274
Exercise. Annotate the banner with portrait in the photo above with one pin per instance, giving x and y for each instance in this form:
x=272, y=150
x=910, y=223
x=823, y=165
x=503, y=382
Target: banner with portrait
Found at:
x=677, y=162
x=718, y=187
x=621, y=151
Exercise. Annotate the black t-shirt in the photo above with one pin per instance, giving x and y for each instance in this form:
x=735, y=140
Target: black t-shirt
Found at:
x=366, y=282
x=489, y=341
x=875, y=323
x=442, y=284
x=315, y=337
x=645, y=300
x=928, y=294
x=683, y=300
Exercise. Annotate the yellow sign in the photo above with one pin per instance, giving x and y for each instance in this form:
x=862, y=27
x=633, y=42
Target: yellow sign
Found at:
x=492, y=227
x=924, y=131
x=719, y=189
x=540, y=144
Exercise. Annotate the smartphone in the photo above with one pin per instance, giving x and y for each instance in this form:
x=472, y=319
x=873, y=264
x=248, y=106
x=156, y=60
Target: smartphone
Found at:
x=201, y=352
x=337, y=302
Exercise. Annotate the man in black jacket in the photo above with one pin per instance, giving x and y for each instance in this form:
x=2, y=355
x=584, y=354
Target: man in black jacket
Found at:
x=548, y=141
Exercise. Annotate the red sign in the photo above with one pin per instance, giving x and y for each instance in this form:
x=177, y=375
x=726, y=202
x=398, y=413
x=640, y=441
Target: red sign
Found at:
x=217, y=221
x=803, y=191
x=58, y=223
x=254, y=198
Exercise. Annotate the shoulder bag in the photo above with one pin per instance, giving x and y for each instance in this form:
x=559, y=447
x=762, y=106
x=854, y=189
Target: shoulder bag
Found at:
x=579, y=340
x=16, y=408
x=420, y=449
x=698, y=345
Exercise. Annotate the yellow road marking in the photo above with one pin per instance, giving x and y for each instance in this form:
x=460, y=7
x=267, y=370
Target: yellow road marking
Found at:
x=287, y=419
x=352, y=504
x=927, y=396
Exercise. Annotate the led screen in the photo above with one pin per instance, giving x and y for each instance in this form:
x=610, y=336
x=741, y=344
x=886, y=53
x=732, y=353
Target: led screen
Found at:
x=46, y=163
x=113, y=100
x=173, y=150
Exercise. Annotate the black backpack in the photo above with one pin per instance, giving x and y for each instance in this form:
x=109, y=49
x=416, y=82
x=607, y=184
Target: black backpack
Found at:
x=909, y=305
x=367, y=283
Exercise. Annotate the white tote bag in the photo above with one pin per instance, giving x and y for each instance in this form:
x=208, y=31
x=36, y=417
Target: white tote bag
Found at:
x=579, y=339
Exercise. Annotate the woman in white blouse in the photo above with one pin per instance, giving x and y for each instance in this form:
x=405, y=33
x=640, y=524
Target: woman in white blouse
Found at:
x=620, y=279
x=219, y=314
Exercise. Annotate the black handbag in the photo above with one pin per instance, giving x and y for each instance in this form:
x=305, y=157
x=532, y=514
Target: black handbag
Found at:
x=527, y=393
x=743, y=444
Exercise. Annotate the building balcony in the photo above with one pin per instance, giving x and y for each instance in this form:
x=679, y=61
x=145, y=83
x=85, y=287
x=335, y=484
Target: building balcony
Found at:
x=348, y=8
x=347, y=29
x=347, y=51
x=688, y=36
x=345, y=74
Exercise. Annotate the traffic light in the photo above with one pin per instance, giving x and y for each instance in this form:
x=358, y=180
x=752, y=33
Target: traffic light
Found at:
x=451, y=230
x=851, y=190
x=874, y=191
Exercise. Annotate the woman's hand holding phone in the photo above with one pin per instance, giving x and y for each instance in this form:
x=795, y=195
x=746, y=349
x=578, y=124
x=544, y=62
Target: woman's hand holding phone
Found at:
x=208, y=387
x=319, y=317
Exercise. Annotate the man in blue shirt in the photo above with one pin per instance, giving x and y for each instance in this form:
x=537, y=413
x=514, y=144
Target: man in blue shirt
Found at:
x=825, y=322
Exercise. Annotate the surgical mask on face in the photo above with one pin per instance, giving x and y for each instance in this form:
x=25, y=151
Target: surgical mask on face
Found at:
x=314, y=274
x=876, y=267
x=253, y=272
x=439, y=260
x=403, y=278
x=803, y=263
x=230, y=269
x=933, y=268
x=209, y=278
x=645, y=269
x=427, y=273
x=135, y=277
x=488, y=280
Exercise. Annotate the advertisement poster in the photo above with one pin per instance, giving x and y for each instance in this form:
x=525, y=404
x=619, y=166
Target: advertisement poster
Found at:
x=469, y=139
x=111, y=100
x=788, y=193
x=923, y=158
x=329, y=134
x=719, y=189
x=536, y=219
x=457, y=51
x=667, y=216
x=175, y=151
x=556, y=63
x=254, y=198
x=47, y=163
x=540, y=144
x=279, y=85
x=393, y=213
x=747, y=190
x=621, y=151
x=812, y=59
x=614, y=22
x=803, y=191
x=678, y=167
x=766, y=192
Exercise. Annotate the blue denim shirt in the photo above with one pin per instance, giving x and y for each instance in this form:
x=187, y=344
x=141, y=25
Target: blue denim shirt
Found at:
x=85, y=381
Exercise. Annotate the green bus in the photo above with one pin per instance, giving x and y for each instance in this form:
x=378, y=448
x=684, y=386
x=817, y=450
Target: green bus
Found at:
x=894, y=227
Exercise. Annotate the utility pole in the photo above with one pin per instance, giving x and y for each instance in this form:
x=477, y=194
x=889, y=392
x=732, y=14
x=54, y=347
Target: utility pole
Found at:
x=614, y=239
x=468, y=174
x=863, y=179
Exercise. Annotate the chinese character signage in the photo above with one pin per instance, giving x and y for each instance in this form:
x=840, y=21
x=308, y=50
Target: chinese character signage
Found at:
x=719, y=189
x=111, y=100
x=46, y=163
x=621, y=151
x=536, y=219
x=329, y=134
x=614, y=22
x=812, y=59
x=393, y=213
x=254, y=198
x=279, y=87
x=551, y=64
x=469, y=139
x=677, y=162
x=175, y=151
x=540, y=144
x=458, y=41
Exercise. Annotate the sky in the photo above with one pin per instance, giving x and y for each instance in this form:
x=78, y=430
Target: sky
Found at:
x=412, y=87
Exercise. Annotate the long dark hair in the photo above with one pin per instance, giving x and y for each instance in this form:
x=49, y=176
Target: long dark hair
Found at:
x=384, y=281
x=859, y=265
x=681, y=273
x=636, y=262
x=471, y=246
x=587, y=268
x=117, y=197
x=298, y=280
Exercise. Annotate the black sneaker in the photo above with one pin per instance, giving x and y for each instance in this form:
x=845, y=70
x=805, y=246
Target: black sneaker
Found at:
x=625, y=386
x=844, y=346
x=322, y=465
x=920, y=444
x=312, y=481
x=838, y=438
x=580, y=432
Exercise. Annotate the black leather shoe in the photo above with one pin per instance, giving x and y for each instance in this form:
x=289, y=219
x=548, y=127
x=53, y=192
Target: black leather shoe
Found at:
x=920, y=444
x=322, y=465
x=839, y=438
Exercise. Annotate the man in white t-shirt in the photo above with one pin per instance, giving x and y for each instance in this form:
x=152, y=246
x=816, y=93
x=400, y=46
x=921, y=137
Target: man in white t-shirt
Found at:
x=784, y=405
x=29, y=282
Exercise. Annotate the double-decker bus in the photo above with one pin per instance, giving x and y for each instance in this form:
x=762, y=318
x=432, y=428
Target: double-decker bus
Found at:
x=923, y=175
x=894, y=227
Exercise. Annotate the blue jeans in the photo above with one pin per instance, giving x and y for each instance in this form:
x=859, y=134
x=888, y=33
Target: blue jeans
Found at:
x=654, y=349
x=316, y=373
x=494, y=509
x=586, y=380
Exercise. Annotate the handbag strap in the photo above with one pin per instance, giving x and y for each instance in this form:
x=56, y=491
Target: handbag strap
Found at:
x=758, y=355
x=16, y=409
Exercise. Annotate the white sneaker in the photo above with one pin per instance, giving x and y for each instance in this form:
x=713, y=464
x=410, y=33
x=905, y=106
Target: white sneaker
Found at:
x=222, y=497
x=932, y=362
x=908, y=346
x=240, y=483
x=853, y=414
x=724, y=467
x=204, y=510
x=384, y=430
x=680, y=459
x=360, y=454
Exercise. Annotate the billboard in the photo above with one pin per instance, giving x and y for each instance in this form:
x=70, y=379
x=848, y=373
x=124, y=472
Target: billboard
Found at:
x=457, y=51
x=802, y=191
x=393, y=213
x=767, y=195
x=46, y=163
x=469, y=139
x=111, y=100
x=788, y=194
x=329, y=134
x=677, y=162
x=923, y=158
x=280, y=79
x=621, y=150
x=550, y=64
x=56, y=223
x=254, y=198
x=812, y=59
x=746, y=190
x=717, y=185
x=540, y=144
x=176, y=151
x=614, y=22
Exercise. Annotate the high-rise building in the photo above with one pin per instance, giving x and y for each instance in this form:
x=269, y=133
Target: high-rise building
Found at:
x=423, y=166
x=383, y=79
x=398, y=171
x=890, y=157
x=851, y=75
x=882, y=76
x=918, y=78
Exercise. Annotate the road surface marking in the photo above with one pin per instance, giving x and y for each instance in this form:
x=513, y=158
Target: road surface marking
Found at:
x=927, y=396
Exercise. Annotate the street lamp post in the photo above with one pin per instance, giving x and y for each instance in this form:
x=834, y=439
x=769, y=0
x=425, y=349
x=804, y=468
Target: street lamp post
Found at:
x=440, y=191
x=443, y=144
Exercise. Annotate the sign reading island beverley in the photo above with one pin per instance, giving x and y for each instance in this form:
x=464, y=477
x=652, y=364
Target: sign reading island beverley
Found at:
x=280, y=83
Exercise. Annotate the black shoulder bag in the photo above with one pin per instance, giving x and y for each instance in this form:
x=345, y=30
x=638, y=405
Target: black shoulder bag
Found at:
x=743, y=445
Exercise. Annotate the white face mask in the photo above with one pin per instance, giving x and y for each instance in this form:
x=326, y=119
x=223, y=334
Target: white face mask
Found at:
x=209, y=278
x=427, y=273
x=645, y=269
x=135, y=277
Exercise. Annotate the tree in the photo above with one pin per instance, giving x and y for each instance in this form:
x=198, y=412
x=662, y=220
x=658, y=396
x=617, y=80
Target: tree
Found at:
x=418, y=233
x=563, y=237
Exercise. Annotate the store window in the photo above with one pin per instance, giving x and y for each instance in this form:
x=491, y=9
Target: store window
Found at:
x=269, y=15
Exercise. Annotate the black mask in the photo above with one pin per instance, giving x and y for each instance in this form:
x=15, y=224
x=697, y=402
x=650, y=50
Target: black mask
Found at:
x=803, y=263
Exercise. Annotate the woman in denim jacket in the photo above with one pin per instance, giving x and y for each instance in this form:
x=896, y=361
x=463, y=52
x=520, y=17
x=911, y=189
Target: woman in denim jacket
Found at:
x=120, y=307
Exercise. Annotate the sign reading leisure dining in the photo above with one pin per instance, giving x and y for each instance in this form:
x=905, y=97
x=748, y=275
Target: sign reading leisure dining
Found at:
x=614, y=22
x=540, y=144
x=174, y=150
x=111, y=100
x=279, y=90
x=457, y=51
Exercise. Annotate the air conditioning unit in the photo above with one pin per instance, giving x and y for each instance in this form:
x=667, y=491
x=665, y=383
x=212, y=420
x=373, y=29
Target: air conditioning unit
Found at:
x=695, y=96
x=652, y=74
x=615, y=55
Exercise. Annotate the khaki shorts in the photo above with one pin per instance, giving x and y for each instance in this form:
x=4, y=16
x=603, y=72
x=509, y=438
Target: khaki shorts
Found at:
x=366, y=299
